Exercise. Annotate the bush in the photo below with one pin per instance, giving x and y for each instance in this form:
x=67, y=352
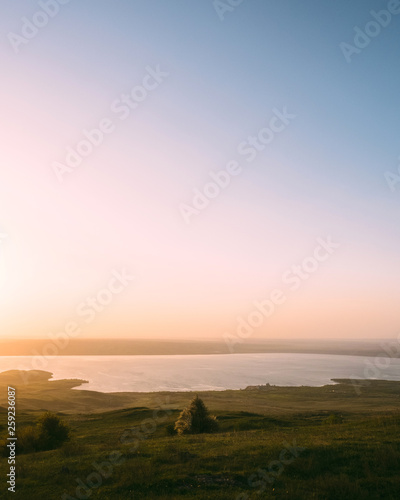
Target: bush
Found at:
x=195, y=419
x=49, y=433
x=52, y=431
x=334, y=418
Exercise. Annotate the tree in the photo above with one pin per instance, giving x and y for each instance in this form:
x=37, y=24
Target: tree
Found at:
x=195, y=419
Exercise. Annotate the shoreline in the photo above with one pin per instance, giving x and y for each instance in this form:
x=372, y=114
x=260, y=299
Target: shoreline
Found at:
x=121, y=347
x=38, y=392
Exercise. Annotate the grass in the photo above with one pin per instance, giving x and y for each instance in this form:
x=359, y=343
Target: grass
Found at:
x=350, y=448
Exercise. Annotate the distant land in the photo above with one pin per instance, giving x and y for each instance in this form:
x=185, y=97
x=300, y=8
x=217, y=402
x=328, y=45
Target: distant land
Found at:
x=126, y=347
x=37, y=391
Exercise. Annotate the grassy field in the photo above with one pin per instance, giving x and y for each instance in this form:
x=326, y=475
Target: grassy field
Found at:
x=274, y=442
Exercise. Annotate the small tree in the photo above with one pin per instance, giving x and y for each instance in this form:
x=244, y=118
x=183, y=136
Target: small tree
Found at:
x=195, y=419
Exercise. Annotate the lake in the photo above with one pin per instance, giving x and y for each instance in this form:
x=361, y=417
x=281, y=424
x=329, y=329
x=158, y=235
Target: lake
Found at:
x=203, y=372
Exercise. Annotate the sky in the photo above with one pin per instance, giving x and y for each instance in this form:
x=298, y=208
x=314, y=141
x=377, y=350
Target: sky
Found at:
x=130, y=236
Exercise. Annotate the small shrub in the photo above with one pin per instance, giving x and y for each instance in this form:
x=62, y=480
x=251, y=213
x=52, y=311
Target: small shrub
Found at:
x=334, y=418
x=52, y=431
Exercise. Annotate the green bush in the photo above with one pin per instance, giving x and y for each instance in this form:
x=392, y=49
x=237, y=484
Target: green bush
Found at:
x=334, y=418
x=195, y=419
x=49, y=433
x=52, y=431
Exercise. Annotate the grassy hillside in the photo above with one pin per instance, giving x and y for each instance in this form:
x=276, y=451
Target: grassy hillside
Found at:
x=338, y=445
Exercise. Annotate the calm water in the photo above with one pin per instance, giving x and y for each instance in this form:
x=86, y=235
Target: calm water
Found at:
x=202, y=372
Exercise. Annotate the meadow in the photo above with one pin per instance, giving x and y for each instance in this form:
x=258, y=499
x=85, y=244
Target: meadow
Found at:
x=274, y=442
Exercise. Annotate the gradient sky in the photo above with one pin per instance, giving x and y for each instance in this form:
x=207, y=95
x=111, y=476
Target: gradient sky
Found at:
x=323, y=175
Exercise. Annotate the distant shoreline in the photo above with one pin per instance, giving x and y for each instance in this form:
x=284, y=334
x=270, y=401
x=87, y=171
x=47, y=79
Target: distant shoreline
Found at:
x=122, y=347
